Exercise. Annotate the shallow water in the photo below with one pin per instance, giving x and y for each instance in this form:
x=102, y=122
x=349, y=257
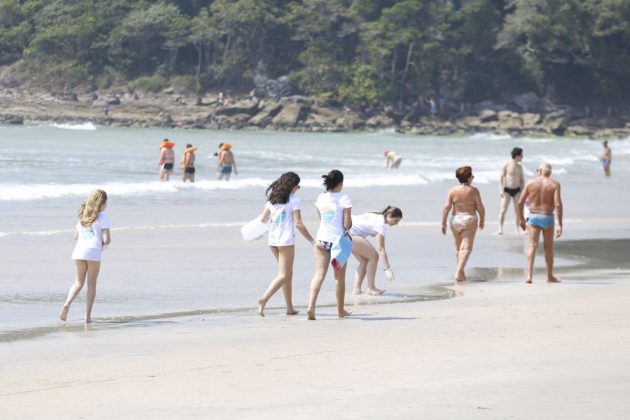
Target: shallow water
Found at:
x=176, y=247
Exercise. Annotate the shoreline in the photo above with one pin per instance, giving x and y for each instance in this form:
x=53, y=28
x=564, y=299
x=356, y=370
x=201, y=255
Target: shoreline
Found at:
x=293, y=113
x=503, y=350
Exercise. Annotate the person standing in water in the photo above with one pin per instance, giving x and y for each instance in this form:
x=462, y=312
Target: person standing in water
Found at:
x=372, y=224
x=606, y=158
x=188, y=163
x=464, y=203
x=511, y=183
x=283, y=211
x=334, y=210
x=392, y=160
x=91, y=234
x=167, y=160
x=226, y=162
x=543, y=195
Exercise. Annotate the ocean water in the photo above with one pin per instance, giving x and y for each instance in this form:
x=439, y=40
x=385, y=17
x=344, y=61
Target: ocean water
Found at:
x=176, y=247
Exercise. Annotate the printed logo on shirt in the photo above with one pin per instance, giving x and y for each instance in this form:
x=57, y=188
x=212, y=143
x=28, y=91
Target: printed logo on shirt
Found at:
x=88, y=233
x=328, y=214
x=279, y=216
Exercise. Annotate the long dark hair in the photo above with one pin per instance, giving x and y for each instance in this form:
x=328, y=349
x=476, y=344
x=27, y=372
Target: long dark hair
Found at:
x=280, y=189
x=390, y=211
x=332, y=179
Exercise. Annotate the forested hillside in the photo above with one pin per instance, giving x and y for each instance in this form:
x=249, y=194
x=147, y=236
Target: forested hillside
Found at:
x=363, y=52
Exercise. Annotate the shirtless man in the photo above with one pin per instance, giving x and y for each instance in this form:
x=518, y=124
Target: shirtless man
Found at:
x=226, y=162
x=188, y=163
x=511, y=184
x=393, y=159
x=544, y=197
x=606, y=158
x=167, y=160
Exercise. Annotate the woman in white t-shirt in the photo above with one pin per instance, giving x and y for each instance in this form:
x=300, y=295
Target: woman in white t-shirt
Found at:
x=334, y=210
x=283, y=214
x=372, y=224
x=91, y=234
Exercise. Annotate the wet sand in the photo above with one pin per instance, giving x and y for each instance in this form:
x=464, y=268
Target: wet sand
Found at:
x=499, y=349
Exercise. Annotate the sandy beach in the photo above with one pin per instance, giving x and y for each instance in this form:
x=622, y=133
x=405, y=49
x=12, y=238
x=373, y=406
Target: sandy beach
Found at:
x=176, y=334
x=500, y=349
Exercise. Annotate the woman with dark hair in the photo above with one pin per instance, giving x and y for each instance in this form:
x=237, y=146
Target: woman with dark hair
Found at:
x=464, y=203
x=283, y=212
x=372, y=224
x=334, y=210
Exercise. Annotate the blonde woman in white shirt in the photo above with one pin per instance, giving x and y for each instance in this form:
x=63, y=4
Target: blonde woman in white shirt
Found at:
x=283, y=211
x=91, y=234
x=334, y=210
x=372, y=224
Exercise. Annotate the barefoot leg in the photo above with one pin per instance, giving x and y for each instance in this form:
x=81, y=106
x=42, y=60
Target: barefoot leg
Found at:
x=534, y=238
x=94, y=268
x=80, y=272
x=322, y=259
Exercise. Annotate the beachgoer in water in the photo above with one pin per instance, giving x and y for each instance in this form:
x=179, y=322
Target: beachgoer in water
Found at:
x=606, y=158
x=283, y=212
x=543, y=195
x=392, y=160
x=226, y=162
x=167, y=160
x=511, y=183
x=188, y=163
x=465, y=202
x=92, y=235
x=372, y=224
x=334, y=209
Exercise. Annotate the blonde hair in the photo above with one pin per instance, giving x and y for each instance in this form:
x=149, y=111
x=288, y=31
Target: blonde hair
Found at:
x=88, y=212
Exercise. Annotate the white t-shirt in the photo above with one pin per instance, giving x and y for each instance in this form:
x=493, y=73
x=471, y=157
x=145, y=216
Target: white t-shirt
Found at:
x=281, y=224
x=90, y=239
x=330, y=206
x=368, y=224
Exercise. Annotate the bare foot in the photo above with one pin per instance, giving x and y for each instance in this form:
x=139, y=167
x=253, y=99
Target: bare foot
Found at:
x=261, y=307
x=375, y=292
x=64, y=313
x=344, y=314
x=553, y=280
x=460, y=279
x=528, y=281
x=88, y=320
x=357, y=292
x=310, y=315
x=292, y=311
x=500, y=232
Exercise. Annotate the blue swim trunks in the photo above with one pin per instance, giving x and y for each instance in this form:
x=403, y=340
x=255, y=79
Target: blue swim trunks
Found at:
x=541, y=220
x=225, y=169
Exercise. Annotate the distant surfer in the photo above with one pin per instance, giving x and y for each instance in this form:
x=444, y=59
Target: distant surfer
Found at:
x=606, y=158
x=511, y=184
x=393, y=159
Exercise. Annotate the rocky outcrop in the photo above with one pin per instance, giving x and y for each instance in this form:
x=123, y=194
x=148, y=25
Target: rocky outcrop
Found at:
x=298, y=112
x=269, y=110
x=288, y=116
x=248, y=106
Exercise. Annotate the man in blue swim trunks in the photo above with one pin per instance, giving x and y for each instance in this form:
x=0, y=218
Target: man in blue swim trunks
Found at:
x=543, y=194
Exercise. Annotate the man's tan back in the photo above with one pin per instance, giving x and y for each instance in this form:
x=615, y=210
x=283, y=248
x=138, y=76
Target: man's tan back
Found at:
x=542, y=194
